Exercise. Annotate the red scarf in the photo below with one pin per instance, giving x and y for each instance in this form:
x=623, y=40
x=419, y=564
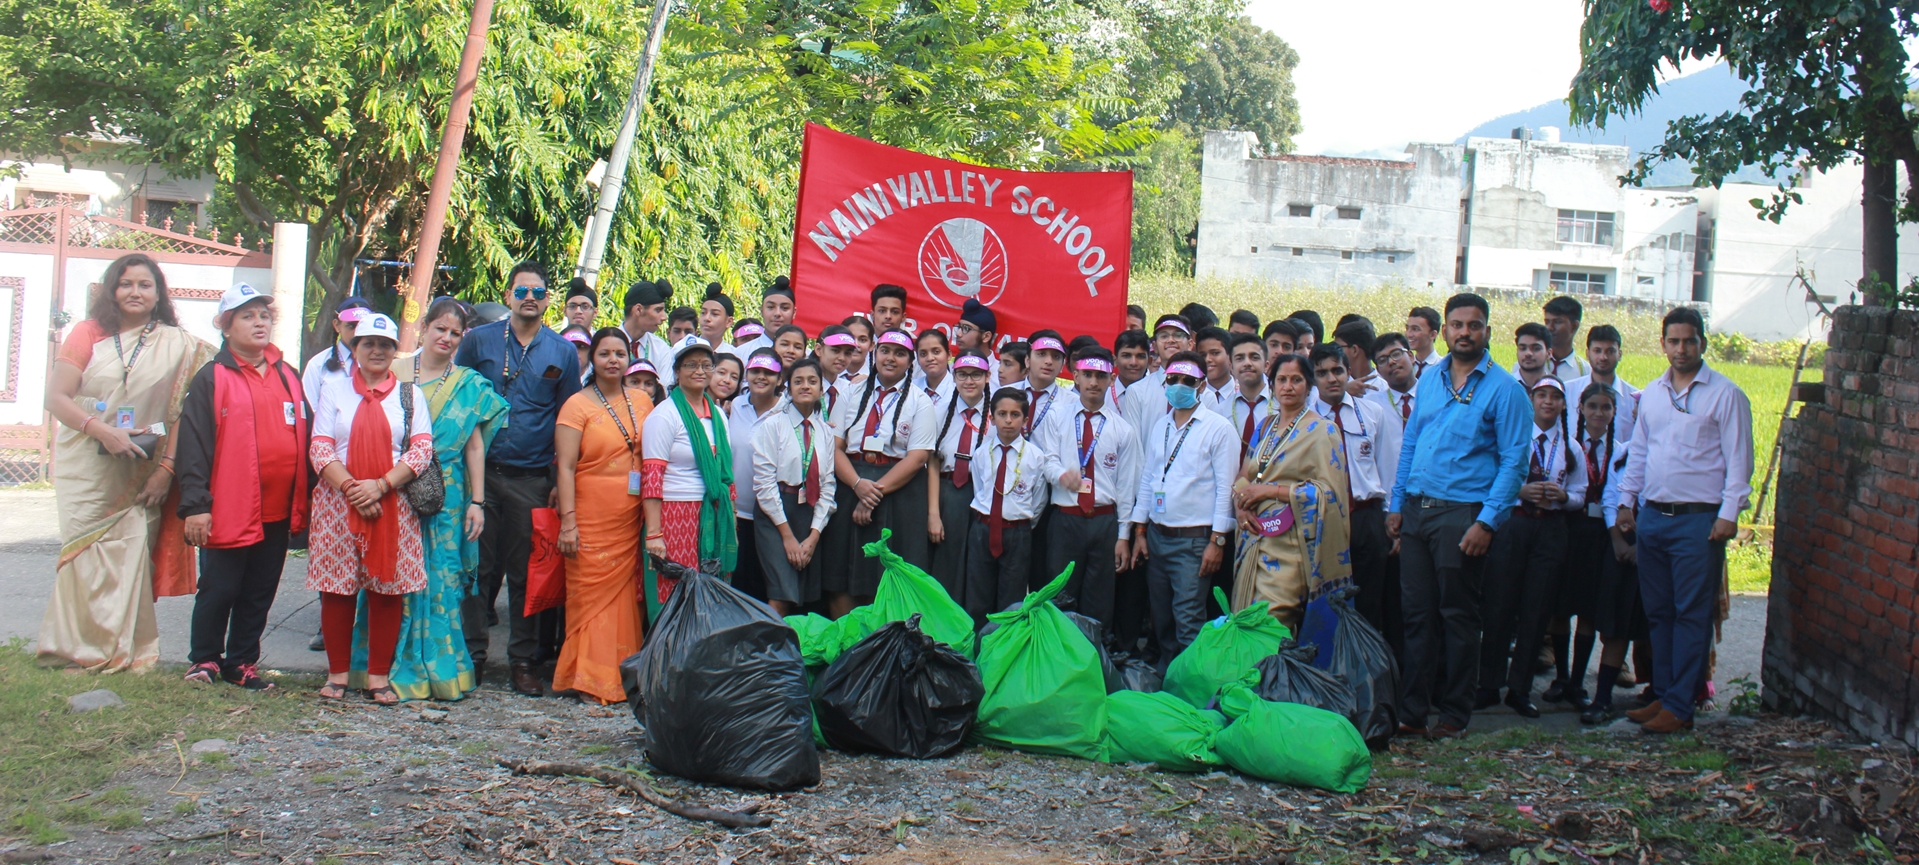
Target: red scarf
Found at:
x=369, y=455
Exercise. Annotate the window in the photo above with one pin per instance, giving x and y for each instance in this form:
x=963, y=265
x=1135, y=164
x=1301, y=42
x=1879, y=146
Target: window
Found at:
x=1346, y=255
x=1391, y=258
x=1299, y=250
x=1585, y=226
x=1255, y=249
x=1578, y=282
x=1349, y=213
x=1299, y=210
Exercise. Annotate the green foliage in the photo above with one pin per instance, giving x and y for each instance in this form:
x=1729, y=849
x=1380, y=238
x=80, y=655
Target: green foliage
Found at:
x=1166, y=204
x=1242, y=80
x=1740, y=348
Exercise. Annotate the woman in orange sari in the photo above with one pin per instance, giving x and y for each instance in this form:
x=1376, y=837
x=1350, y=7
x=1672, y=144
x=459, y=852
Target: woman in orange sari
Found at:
x=598, y=445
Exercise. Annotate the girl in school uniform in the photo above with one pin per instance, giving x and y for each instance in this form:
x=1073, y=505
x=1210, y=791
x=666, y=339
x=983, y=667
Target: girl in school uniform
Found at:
x=760, y=397
x=790, y=343
x=794, y=488
x=934, y=373
x=964, y=421
x=1014, y=478
x=1608, y=605
x=885, y=437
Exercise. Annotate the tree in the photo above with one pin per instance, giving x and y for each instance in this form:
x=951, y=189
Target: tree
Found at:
x=1243, y=79
x=1828, y=81
x=1166, y=204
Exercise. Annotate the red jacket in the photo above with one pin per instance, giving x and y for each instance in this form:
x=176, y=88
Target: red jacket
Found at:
x=217, y=418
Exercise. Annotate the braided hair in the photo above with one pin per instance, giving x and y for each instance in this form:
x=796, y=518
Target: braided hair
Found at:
x=872, y=382
x=1594, y=389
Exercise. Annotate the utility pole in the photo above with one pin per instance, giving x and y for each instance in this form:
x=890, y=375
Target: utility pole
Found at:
x=602, y=220
x=426, y=257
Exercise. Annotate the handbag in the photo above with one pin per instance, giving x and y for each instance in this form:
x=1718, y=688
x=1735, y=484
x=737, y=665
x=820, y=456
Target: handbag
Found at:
x=427, y=491
x=1272, y=524
x=545, y=567
x=148, y=442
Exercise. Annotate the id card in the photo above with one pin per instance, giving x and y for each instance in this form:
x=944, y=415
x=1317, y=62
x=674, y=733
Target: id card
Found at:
x=123, y=417
x=158, y=428
x=632, y=483
x=1595, y=509
x=287, y=409
x=1159, y=501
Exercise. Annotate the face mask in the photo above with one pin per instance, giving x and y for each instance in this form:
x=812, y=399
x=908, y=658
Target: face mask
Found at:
x=1182, y=396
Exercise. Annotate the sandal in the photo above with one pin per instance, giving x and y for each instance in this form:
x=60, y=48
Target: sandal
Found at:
x=334, y=691
x=383, y=695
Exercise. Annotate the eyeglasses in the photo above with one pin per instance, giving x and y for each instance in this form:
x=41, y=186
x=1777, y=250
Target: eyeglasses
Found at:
x=575, y=304
x=966, y=327
x=521, y=291
x=1182, y=379
x=1391, y=356
x=697, y=366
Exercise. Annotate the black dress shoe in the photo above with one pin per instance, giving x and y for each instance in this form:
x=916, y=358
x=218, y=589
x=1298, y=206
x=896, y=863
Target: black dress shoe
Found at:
x=1409, y=731
x=1485, y=698
x=1555, y=692
x=1595, y=715
x=525, y=681
x=1521, y=706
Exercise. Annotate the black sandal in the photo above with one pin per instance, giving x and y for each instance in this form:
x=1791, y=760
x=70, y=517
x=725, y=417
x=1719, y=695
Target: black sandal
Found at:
x=374, y=695
x=333, y=691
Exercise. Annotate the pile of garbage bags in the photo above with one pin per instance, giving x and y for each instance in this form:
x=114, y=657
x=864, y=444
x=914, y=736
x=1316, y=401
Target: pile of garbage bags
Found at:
x=731, y=694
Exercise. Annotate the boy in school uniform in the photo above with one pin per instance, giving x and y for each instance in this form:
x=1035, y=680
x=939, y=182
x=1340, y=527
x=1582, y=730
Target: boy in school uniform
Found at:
x=1013, y=476
x=1085, y=529
x=1372, y=439
x=1422, y=330
x=1602, y=357
x=1250, y=404
x=889, y=307
x=1281, y=336
x=1132, y=388
x=1046, y=356
x=1183, y=507
x=965, y=421
x=1172, y=334
x=1562, y=316
x=1534, y=356
x=1355, y=342
x=978, y=330
x=1216, y=392
x=1393, y=358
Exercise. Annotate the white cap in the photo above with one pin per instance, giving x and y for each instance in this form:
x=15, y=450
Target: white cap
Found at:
x=377, y=324
x=692, y=342
x=238, y=296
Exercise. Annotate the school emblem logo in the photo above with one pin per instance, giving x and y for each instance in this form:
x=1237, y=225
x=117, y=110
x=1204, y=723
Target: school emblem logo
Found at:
x=1110, y=462
x=962, y=258
x=1365, y=448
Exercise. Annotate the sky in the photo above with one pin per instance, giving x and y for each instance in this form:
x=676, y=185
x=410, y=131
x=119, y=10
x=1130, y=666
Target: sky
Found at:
x=1376, y=74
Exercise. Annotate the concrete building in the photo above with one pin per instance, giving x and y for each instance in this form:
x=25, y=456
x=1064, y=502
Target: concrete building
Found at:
x=1530, y=213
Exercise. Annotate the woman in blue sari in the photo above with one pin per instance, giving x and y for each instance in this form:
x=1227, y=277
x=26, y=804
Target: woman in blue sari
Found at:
x=431, y=661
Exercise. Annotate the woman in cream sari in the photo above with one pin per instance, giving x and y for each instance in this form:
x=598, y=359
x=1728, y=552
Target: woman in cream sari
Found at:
x=1291, y=504
x=120, y=376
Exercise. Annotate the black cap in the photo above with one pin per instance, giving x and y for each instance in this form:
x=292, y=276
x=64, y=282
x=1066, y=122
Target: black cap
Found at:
x=715, y=292
x=979, y=315
x=647, y=293
x=577, y=287
x=781, y=285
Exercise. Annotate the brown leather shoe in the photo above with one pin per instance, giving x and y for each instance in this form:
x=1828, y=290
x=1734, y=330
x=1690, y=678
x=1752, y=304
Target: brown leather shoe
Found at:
x=1664, y=723
x=1651, y=711
x=1408, y=730
x=1447, y=731
x=526, y=682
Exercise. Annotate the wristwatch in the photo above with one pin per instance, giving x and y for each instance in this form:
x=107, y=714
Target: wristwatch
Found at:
x=1219, y=540
x=1484, y=525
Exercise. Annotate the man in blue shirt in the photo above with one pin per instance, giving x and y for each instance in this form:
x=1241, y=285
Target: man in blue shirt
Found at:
x=536, y=371
x=1460, y=467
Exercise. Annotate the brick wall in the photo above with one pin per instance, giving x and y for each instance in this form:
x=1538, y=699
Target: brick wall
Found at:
x=1840, y=637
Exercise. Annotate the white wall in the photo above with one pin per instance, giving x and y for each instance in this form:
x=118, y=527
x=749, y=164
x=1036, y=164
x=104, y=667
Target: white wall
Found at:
x=35, y=332
x=107, y=184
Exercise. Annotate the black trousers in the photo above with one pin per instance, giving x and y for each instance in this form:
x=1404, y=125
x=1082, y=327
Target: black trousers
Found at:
x=236, y=591
x=1522, y=592
x=994, y=583
x=1038, y=574
x=1086, y=543
x=748, y=576
x=1132, y=610
x=505, y=544
x=1376, y=574
x=1440, y=589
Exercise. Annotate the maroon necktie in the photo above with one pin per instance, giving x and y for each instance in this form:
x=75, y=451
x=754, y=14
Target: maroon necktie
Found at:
x=812, y=483
x=873, y=417
x=963, y=459
x=1032, y=411
x=1086, y=436
x=996, y=521
x=1405, y=407
x=1246, y=432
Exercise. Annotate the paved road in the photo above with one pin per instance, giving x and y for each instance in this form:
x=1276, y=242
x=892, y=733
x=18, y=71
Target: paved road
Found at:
x=30, y=543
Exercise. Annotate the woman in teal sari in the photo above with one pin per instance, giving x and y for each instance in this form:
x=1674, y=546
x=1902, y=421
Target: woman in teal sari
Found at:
x=431, y=661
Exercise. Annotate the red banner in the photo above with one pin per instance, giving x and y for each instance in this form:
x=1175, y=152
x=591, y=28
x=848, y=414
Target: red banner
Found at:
x=1042, y=249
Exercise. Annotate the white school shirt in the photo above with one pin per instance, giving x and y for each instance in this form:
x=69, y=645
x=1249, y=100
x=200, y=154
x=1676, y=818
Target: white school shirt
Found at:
x=1695, y=447
x=1372, y=438
x=1379, y=388
x=1572, y=367
x=1401, y=405
x=1142, y=402
x=333, y=417
x=653, y=349
x=1115, y=455
x=1570, y=477
x=778, y=458
x=1030, y=471
x=741, y=422
x=314, y=377
x=1052, y=398
x=1197, y=481
x=746, y=349
x=1625, y=403
x=917, y=423
x=939, y=395
x=947, y=449
x=1217, y=400
x=1237, y=409
x=664, y=437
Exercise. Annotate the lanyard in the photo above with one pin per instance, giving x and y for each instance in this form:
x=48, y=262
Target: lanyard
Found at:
x=1270, y=447
x=1356, y=413
x=509, y=373
x=1548, y=453
x=1182, y=443
x=1086, y=448
x=1039, y=414
x=1683, y=408
x=806, y=446
x=139, y=345
x=1465, y=398
x=1019, y=463
x=630, y=443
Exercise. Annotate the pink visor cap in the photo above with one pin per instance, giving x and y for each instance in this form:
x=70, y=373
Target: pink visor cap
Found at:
x=1047, y=343
x=761, y=361
x=1185, y=367
x=1093, y=364
x=641, y=366
x=969, y=361
x=894, y=337
x=836, y=339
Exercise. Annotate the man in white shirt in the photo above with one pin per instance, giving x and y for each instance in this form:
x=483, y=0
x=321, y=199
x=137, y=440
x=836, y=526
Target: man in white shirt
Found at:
x=1562, y=319
x=1216, y=392
x=1355, y=342
x=1422, y=329
x=1133, y=389
x=1086, y=530
x=1183, y=507
x=1371, y=453
x=1534, y=353
x=1012, y=474
x=1281, y=337
x=777, y=306
x=1602, y=355
x=1249, y=404
x=716, y=320
x=1688, y=477
x=644, y=310
x=1172, y=334
x=1393, y=360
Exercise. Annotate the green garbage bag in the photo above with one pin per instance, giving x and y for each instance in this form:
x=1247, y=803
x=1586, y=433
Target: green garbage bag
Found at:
x=1045, y=690
x=903, y=591
x=1291, y=743
x=1224, y=650
x=1162, y=729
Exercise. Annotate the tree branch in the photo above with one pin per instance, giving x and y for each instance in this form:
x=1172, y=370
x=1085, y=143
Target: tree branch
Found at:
x=731, y=819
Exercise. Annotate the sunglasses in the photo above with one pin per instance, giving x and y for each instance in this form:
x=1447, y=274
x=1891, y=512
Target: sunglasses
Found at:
x=1182, y=379
x=521, y=291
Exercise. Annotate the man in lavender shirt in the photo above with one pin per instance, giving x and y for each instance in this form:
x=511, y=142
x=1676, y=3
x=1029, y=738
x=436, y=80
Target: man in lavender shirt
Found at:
x=1688, y=477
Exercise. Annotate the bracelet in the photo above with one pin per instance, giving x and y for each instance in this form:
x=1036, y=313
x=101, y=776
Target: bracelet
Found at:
x=477, y=502
x=169, y=469
x=83, y=424
x=653, y=537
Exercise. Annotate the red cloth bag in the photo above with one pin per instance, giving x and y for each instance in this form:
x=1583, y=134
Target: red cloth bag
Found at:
x=545, y=567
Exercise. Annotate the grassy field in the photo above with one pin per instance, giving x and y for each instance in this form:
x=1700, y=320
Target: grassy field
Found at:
x=1765, y=385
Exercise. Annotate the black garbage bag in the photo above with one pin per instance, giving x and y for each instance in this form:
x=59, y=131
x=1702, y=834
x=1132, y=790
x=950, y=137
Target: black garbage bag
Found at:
x=1362, y=660
x=1288, y=676
x=899, y=692
x=721, y=690
x=1136, y=674
x=1095, y=634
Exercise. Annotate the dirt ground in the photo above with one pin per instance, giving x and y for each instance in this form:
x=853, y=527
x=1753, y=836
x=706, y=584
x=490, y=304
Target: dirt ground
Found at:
x=421, y=784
